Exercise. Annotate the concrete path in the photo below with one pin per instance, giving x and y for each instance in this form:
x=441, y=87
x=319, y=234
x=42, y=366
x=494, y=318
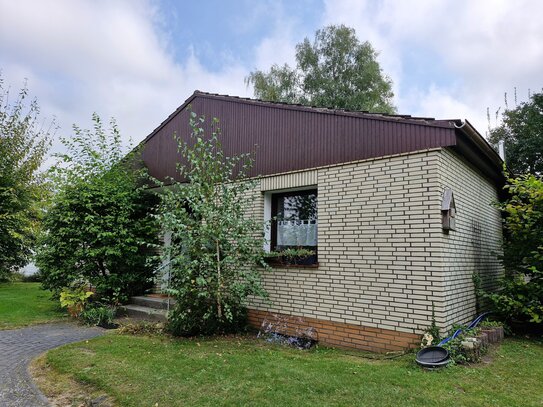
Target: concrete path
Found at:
x=19, y=346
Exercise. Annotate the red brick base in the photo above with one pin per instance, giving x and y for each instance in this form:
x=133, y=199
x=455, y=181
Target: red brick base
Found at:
x=337, y=334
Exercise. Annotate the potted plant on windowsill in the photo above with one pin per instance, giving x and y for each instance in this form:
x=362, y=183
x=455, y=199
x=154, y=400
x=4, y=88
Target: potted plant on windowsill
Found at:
x=292, y=257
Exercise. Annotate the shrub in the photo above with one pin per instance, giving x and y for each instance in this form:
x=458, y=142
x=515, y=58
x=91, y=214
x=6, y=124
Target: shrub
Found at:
x=32, y=278
x=490, y=324
x=98, y=314
x=521, y=291
x=97, y=227
x=431, y=335
x=75, y=299
x=456, y=350
x=216, y=248
x=25, y=278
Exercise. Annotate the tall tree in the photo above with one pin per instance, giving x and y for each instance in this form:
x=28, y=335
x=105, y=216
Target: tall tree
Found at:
x=24, y=141
x=336, y=70
x=522, y=132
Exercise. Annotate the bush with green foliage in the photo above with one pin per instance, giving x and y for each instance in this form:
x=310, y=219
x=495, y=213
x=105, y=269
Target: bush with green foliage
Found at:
x=457, y=352
x=336, y=70
x=98, y=226
x=24, y=141
x=521, y=293
x=26, y=278
x=75, y=298
x=490, y=324
x=431, y=336
x=217, y=250
x=98, y=314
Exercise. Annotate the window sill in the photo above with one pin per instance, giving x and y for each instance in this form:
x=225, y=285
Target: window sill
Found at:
x=293, y=266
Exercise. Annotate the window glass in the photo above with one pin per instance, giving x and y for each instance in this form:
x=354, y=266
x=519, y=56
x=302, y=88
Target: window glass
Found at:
x=296, y=220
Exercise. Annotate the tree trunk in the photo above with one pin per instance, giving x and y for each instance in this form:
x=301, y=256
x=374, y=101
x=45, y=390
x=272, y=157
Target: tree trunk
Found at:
x=219, y=282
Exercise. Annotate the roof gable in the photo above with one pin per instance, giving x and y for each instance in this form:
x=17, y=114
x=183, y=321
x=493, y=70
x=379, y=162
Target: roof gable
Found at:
x=287, y=137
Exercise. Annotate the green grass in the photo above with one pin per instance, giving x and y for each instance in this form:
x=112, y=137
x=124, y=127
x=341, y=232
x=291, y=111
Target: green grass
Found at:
x=24, y=304
x=142, y=371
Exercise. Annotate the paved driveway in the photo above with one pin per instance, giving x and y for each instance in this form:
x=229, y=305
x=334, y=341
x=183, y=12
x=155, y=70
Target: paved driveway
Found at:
x=19, y=346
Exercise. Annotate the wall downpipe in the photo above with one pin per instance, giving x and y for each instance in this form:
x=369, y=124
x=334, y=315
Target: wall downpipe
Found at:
x=501, y=149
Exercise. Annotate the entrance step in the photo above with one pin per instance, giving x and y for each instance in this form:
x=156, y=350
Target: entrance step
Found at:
x=152, y=308
x=155, y=302
x=142, y=313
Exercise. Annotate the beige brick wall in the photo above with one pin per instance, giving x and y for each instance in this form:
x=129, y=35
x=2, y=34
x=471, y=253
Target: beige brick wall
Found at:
x=384, y=260
x=474, y=245
x=379, y=245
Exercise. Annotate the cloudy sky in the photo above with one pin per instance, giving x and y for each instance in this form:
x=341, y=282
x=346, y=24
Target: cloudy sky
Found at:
x=138, y=60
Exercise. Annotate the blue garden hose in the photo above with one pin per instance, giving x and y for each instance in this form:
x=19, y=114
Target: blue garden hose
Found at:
x=473, y=324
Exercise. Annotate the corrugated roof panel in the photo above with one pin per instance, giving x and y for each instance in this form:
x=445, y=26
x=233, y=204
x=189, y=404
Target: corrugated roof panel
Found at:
x=293, y=137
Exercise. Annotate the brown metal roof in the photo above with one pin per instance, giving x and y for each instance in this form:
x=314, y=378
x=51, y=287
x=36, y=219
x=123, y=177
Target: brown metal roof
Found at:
x=287, y=137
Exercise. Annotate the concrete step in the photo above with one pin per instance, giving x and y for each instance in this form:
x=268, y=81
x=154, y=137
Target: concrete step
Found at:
x=152, y=302
x=142, y=313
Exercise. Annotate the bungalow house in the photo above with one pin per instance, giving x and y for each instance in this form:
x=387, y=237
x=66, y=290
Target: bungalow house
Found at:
x=398, y=210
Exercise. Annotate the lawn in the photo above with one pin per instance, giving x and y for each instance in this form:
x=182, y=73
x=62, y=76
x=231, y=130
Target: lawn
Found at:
x=143, y=371
x=24, y=304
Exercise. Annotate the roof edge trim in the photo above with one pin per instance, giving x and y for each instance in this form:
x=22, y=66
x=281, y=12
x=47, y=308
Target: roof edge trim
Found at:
x=467, y=128
x=407, y=119
x=171, y=116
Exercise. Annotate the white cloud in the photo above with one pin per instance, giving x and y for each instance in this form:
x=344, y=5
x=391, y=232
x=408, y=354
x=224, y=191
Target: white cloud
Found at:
x=279, y=47
x=276, y=49
x=82, y=38
x=116, y=57
x=440, y=102
x=103, y=56
x=486, y=47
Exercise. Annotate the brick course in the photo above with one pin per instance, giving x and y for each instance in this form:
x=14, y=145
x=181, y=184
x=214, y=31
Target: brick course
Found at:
x=337, y=334
x=385, y=263
x=475, y=245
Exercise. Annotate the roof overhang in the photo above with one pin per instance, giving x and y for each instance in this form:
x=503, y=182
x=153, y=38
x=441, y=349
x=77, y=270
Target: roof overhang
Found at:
x=479, y=152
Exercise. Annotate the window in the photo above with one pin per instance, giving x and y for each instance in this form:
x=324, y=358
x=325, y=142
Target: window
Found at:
x=294, y=224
